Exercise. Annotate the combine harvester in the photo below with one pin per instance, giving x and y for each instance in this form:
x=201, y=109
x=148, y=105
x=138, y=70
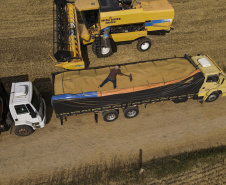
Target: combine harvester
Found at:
x=105, y=23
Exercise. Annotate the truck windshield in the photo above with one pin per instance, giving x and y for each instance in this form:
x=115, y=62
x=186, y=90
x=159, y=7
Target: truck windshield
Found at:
x=212, y=78
x=35, y=99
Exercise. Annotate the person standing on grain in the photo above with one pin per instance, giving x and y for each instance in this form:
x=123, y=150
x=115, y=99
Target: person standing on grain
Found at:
x=112, y=77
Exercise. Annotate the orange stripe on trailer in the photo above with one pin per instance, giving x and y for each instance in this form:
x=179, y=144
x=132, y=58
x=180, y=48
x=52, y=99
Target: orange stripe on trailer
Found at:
x=143, y=87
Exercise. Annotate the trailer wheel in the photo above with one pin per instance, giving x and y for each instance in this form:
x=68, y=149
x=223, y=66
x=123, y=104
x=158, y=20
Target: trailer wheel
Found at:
x=144, y=44
x=212, y=97
x=131, y=112
x=23, y=130
x=110, y=116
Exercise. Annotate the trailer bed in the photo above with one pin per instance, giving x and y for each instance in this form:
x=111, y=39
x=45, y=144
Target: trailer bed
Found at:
x=77, y=92
x=143, y=73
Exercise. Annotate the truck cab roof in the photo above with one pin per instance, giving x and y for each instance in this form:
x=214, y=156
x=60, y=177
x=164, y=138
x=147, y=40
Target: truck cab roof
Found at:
x=206, y=65
x=21, y=92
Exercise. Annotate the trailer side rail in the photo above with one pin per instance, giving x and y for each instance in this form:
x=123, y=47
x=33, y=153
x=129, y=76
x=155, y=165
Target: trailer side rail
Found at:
x=175, y=99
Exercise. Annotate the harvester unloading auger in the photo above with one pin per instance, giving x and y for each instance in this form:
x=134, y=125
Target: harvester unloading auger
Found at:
x=105, y=23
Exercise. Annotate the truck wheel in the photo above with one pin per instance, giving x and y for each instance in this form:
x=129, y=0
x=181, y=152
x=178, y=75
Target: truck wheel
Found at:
x=110, y=116
x=23, y=130
x=212, y=97
x=144, y=44
x=131, y=112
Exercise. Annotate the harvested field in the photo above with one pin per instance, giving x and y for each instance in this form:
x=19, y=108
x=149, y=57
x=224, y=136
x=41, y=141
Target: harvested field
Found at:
x=202, y=174
x=160, y=129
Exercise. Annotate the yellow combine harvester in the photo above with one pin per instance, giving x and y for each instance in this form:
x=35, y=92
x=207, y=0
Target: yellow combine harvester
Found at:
x=105, y=23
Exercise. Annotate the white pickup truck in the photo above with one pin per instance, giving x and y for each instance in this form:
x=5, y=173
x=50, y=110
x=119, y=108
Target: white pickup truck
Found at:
x=27, y=108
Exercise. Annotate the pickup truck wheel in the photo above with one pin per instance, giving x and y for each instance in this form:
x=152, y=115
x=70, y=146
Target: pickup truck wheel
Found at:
x=131, y=112
x=212, y=97
x=144, y=44
x=110, y=116
x=23, y=130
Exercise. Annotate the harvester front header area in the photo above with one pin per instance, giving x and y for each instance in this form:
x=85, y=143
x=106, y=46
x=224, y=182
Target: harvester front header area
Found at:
x=68, y=54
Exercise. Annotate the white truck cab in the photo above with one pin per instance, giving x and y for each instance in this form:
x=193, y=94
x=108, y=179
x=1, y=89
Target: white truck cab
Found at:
x=27, y=108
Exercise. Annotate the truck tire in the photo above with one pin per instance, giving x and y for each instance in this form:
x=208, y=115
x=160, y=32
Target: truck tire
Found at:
x=110, y=116
x=144, y=44
x=23, y=130
x=131, y=112
x=212, y=97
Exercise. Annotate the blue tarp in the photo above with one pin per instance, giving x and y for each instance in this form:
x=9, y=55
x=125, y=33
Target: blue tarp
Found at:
x=73, y=96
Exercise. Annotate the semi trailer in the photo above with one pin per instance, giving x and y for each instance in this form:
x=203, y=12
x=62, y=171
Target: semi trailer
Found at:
x=177, y=79
x=25, y=110
x=103, y=23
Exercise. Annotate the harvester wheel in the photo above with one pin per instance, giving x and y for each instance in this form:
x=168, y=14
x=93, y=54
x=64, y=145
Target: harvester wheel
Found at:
x=100, y=51
x=144, y=44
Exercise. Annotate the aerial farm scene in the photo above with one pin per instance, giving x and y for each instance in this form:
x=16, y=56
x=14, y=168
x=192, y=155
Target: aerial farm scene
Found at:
x=112, y=92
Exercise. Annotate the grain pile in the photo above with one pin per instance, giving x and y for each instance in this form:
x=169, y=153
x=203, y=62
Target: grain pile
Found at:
x=75, y=82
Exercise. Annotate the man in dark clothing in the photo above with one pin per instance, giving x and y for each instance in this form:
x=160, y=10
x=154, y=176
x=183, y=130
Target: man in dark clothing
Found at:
x=112, y=76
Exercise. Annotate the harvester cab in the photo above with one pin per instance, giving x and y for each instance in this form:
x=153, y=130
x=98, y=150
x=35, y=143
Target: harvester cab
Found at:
x=105, y=23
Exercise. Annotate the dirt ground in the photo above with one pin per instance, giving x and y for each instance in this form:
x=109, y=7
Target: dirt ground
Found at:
x=160, y=129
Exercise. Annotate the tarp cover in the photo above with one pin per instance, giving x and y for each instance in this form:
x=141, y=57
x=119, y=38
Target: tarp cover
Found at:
x=188, y=86
x=177, y=77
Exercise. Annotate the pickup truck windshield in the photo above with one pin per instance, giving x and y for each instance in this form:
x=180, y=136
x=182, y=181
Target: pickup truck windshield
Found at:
x=35, y=99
